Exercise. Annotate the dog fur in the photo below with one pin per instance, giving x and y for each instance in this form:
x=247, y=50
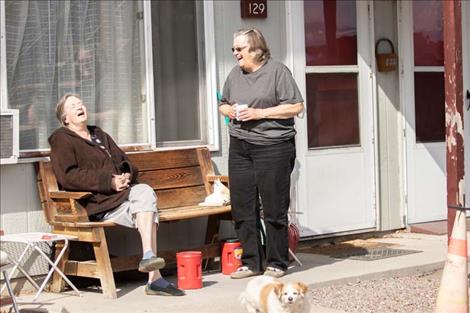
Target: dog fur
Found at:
x=265, y=294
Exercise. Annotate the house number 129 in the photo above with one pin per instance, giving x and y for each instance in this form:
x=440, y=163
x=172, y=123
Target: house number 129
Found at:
x=254, y=8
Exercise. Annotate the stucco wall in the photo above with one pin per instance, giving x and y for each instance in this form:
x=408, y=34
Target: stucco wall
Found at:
x=390, y=134
x=20, y=206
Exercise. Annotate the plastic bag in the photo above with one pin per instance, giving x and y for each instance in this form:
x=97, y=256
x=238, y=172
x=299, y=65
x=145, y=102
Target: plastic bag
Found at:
x=220, y=196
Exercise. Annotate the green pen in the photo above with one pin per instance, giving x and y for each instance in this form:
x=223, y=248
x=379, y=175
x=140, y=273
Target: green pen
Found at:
x=219, y=97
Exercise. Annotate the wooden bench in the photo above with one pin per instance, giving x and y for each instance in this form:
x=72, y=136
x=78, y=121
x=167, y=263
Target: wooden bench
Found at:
x=181, y=179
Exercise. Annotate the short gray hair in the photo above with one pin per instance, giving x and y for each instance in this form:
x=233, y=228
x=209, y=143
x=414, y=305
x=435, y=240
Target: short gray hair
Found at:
x=59, y=108
x=255, y=39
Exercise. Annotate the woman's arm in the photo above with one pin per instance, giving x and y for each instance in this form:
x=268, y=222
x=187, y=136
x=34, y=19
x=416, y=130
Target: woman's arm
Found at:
x=281, y=111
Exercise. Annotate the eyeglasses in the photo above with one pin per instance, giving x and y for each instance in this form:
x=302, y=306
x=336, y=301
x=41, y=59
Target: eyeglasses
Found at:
x=238, y=49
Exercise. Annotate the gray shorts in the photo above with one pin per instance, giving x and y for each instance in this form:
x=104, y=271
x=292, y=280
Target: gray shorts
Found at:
x=141, y=198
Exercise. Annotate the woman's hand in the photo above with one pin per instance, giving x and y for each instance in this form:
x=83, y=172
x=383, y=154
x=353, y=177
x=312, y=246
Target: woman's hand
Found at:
x=249, y=114
x=228, y=110
x=121, y=182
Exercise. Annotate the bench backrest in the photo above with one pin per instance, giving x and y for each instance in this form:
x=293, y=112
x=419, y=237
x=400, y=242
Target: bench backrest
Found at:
x=179, y=177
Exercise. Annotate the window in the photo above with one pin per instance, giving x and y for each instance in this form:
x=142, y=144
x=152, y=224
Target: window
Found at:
x=103, y=51
x=178, y=67
x=428, y=44
x=429, y=106
x=93, y=48
x=332, y=74
x=333, y=109
x=331, y=33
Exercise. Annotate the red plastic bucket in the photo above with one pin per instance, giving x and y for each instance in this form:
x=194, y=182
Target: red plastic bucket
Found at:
x=294, y=236
x=231, y=256
x=189, y=269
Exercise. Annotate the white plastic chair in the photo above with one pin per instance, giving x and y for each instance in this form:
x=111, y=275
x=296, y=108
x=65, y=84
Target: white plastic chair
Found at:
x=31, y=241
x=5, y=264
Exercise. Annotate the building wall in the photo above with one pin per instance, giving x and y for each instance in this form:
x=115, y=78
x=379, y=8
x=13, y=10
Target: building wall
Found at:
x=20, y=206
x=21, y=212
x=389, y=120
x=19, y=200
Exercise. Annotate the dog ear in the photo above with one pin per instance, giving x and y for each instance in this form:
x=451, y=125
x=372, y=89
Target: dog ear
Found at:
x=303, y=287
x=278, y=289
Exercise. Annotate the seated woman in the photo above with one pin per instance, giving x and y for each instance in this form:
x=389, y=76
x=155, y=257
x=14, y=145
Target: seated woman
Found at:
x=85, y=158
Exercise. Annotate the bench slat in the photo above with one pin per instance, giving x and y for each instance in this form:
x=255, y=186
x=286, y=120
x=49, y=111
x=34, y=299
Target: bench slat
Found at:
x=164, y=159
x=173, y=214
x=172, y=178
x=171, y=198
x=69, y=194
x=182, y=213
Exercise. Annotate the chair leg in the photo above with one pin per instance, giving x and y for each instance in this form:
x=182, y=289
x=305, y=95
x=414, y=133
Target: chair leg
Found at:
x=10, y=291
x=103, y=264
x=58, y=284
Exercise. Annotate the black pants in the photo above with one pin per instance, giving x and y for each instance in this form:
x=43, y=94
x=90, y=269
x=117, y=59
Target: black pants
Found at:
x=265, y=171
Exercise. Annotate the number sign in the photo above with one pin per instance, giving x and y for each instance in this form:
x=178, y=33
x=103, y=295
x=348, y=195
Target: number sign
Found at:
x=254, y=8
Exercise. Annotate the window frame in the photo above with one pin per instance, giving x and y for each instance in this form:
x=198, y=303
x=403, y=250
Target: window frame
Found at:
x=34, y=155
x=210, y=136
x=208, y=98
x=3, y=60
x=364, y=35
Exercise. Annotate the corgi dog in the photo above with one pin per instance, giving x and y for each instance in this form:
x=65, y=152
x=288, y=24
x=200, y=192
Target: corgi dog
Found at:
x=266, y=294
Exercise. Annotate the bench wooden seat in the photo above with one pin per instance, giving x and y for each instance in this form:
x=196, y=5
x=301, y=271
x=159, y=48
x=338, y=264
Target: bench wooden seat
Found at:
x=181, y=178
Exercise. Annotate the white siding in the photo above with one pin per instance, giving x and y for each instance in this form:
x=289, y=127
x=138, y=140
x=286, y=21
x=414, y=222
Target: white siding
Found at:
x=390, y=136
x=20, y=206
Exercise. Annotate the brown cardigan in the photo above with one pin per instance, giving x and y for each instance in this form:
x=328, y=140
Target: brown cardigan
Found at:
x=81, y=165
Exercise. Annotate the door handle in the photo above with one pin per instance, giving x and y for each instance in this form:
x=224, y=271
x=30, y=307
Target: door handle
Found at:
x=468, y=99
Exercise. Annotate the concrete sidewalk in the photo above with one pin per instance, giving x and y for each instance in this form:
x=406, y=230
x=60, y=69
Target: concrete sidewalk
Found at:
x=220, y=293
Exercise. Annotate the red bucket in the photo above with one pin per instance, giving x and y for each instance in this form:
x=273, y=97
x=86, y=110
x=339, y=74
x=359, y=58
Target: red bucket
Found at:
x=231, y=256
x=294, y=236
x=189, y=269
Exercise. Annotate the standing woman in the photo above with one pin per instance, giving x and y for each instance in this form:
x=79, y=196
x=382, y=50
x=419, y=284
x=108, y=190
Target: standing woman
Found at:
x=262, y=151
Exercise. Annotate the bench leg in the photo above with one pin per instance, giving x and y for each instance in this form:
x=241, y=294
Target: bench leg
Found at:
x=213, y=225
x=103, y=265
x=58, y=284
x=212, y=232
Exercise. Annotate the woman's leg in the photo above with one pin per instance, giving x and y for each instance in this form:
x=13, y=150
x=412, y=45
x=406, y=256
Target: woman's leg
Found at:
x=155, y=274
x=244, y=200
x=273, y=166
x=148, y=234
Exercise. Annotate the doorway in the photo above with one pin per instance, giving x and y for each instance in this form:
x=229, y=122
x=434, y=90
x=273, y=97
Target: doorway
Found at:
x=335, y=140
x=423, y=99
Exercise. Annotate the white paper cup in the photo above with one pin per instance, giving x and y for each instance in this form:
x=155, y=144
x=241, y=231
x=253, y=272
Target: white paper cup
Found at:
x=238, y=108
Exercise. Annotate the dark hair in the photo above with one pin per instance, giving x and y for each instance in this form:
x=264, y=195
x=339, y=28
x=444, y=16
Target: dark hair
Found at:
x=59, y=108
x=255, y=39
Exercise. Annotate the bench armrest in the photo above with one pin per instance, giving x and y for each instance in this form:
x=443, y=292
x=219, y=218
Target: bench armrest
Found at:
x=212, y=178
x=69, y=195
